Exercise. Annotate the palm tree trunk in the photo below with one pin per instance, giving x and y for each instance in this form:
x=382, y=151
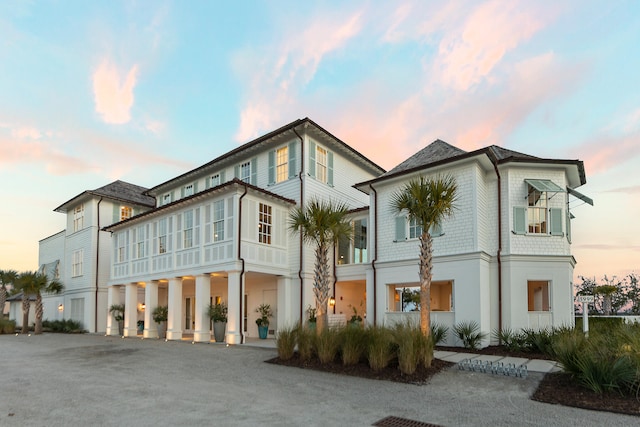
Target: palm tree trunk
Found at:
x=321, y=287
x=426, y=259
x=39, y=310
x=25, y=313
x=3, y=299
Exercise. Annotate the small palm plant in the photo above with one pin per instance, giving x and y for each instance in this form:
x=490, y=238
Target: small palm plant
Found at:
x=35, y=283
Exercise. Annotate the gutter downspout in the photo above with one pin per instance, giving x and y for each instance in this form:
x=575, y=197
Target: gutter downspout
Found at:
x=375, y=254
x=301, y=205
x=95, y=309
x=241, y=324
x=335, y=278
x=499, y=253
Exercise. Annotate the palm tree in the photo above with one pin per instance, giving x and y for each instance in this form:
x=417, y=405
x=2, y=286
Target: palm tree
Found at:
x=7, y=277
x=35, y=283
x=322, y=223
x=427, y=201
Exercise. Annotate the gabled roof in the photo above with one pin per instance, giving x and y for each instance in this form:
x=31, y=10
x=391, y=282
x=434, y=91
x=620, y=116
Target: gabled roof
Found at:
x=257, y=144
x=118, y=190
x=439, y=153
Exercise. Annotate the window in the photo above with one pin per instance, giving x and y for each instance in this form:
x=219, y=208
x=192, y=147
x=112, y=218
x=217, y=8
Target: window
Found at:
x=121, y=254
x=162, y=236
x=406, y=297
x=76, y=263
x=188, y=230
x=264, y=224
x=354, y=251
x=78, y=218
x=537, y=211
x=188, y=190
x=126, y=212
x=166, y=199
x=412, y=228
x=321, y=164
x=245, y=172
x=215, y=180
x=282, y=169
x=415, y=229
x=141, y=242
x=218, y=220
x=538, y=295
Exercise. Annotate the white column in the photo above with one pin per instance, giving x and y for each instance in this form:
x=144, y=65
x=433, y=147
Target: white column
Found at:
x=113, y=297
x=370, y=308
x=150, y=303
x=131, y=310
x=203, y=322
x=174, y=322
x=235, y=316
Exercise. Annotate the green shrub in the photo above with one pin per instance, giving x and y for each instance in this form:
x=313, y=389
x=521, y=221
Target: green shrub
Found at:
x=327, y=345
x=469, y=333
x=7, y=326
x=353, y=344
x=66, y=326
x=407, y=338
x=380, y=347
x=286, y=342
x=439, y=333
x=306, y=339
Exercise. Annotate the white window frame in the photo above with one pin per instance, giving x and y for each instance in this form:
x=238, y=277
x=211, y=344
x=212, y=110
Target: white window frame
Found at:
x=188, y=190
x=141, y=242
x=121, y=250
x=537, y=212
x=76, y=263
x=218, y=220
x=265, y=223
x=162, y=236
x=78, y=217
x=215, y=180
x=282, y=164
x=187, y=235
x=166, y=199
x=126, y=212
x=321, y=164
x=415, y=229
x=245, y=172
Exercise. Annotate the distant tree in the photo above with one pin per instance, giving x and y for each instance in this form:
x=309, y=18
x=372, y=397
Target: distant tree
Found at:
x=632, y=290
x=610, y=294
x=7, y=278
x=35, y=283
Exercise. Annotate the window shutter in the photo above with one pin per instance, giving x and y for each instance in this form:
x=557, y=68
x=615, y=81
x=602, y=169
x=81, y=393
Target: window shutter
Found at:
x=195, y=187
x=179, y=232
x=272, y=167
x=116, y=213
x=196, y=227
x=568, y=219
x=292, y=160
x=330, y=168
x=519, y=220
x=207, y=182
x=555, y=215
x=435, y=230
x=182, y=193
x=169, y=234
x=155, y=238
x=312, y=159
x=254, y=171
x=171, y=198
x=401, y=228
x=222, y=180
x=236, y=171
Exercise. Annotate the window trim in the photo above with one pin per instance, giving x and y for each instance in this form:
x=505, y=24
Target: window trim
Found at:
x=265, y=223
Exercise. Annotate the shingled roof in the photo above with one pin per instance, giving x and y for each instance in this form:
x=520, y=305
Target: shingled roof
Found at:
x=437, y=151
x=117, y=190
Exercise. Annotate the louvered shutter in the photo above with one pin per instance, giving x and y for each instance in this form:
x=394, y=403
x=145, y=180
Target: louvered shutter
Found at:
x=312, y=159
x=272, y=167
x=330, y=168
x=555, y=217
x=292, y=160
x=401, y=228
x=519, y=220
x=254, y=171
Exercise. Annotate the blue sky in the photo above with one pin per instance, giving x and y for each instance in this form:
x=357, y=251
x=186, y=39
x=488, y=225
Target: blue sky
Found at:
x=142, y=91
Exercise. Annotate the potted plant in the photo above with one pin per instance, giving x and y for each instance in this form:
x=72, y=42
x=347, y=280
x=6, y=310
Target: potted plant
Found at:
x=311, y=317
x=118, y=315
x=160, y=315
x=356, y=319
x=218, y=315
x=265, y=312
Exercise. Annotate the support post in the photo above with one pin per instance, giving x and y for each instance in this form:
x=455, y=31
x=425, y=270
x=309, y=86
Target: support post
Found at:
x=203, y=322
x=131, y=310
x=174, y=322
x=150, y=303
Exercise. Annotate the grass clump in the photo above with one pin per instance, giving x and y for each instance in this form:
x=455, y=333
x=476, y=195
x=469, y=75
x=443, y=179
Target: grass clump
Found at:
x=380, y=347
x=327, y=345
x=353, y=344
x=286, y=342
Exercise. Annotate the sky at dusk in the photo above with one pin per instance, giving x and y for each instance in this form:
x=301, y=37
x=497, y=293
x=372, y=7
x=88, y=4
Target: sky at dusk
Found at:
x=142, y=91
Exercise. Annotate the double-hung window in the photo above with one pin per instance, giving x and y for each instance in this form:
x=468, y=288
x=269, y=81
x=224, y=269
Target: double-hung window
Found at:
x=411, y=228
x=188, y=230
x=245, y=172
x=76, y=263
x=126, y=212
x=78, y=218
x=122, y=247
x=537, y=211
x=264, y=224
x=188, y=190
x=162, y=236
x=282, y=169
x=141, y=242
x=166, y=199
x=320, y=163
x=218, y=221
x=215, y=180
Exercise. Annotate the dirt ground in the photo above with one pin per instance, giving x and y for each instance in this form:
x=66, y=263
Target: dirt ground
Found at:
x=62, y=380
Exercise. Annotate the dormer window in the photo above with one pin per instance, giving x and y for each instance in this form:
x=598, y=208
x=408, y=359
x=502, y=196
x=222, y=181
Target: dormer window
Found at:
x=245, y=172
x=126, y=212
x=215, y=180
x=188, y=190
x=166, y=199
x=78, y=218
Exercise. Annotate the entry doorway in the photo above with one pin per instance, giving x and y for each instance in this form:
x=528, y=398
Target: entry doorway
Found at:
x=189, y=314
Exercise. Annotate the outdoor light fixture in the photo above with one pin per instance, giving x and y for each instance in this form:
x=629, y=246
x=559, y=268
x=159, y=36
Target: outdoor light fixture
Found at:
x=332, y=301
x=60, y=307
x=141, y=307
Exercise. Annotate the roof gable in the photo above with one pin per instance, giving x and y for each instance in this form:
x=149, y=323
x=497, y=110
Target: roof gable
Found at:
x=437, y=151
x=118, y=190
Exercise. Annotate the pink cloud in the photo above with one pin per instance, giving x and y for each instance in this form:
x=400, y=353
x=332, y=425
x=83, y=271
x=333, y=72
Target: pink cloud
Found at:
x=26, y=132
x=277, y=74
x=113, y=97
x=607, y=151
